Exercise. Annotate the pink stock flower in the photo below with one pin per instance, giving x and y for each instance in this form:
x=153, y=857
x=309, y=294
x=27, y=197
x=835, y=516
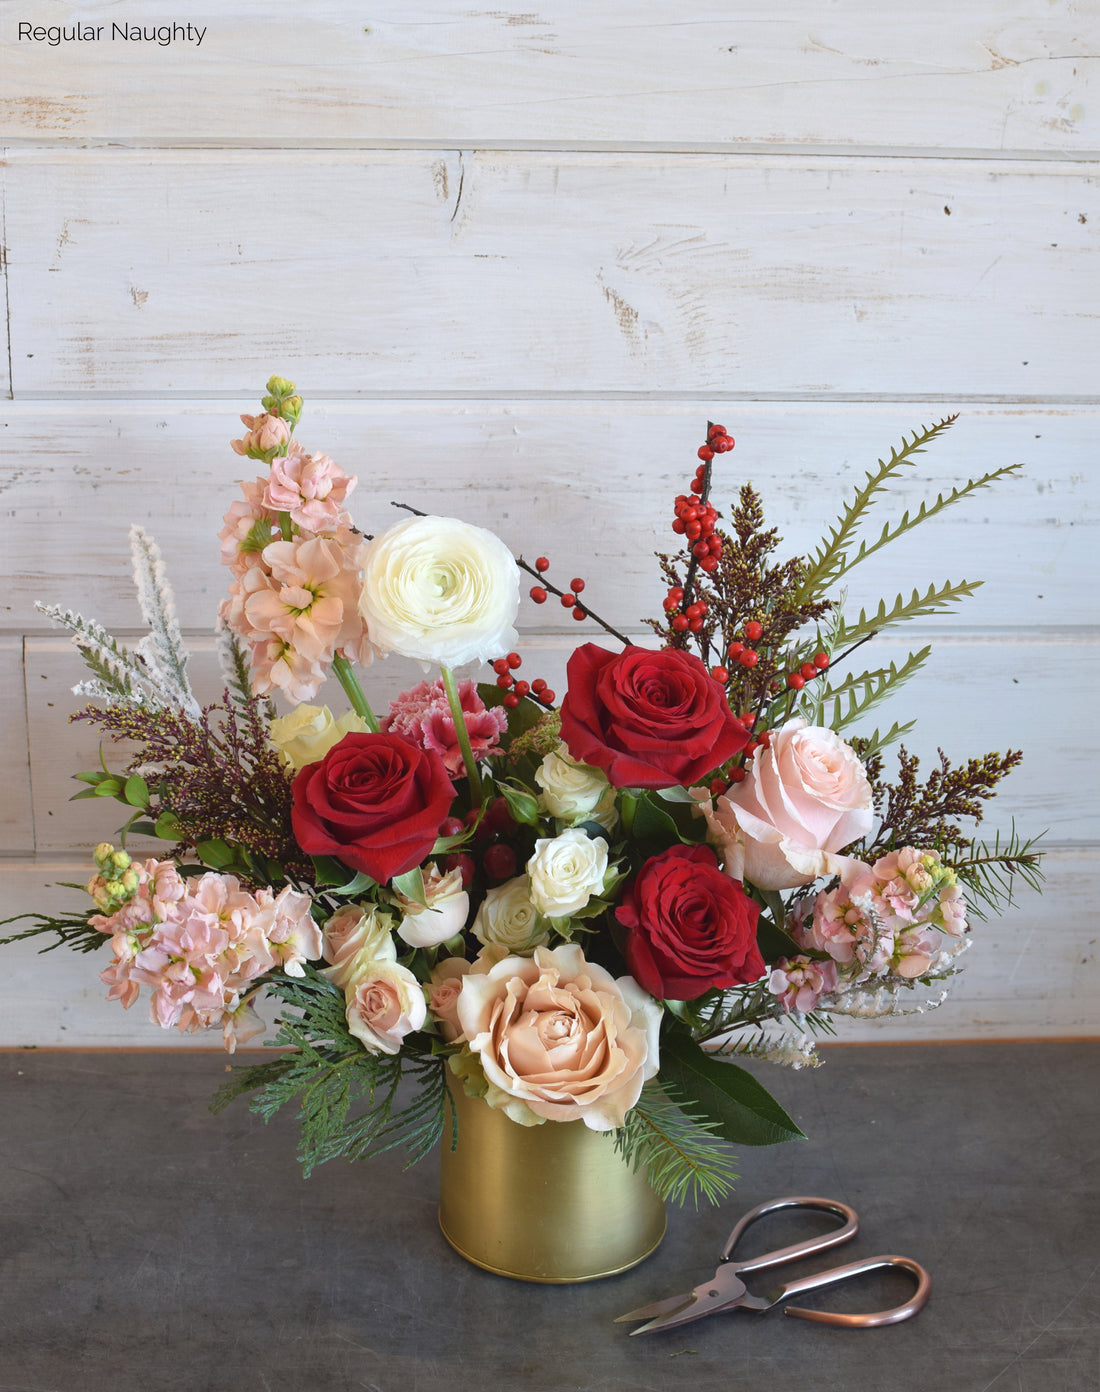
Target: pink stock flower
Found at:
x=200, y=943
x=423, y=716
x=312, y=488
x=263, y=434
x=241, y=537
x=800, y=982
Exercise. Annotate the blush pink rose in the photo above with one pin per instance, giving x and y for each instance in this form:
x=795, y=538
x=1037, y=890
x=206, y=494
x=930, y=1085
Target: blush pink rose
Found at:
x=806, y=798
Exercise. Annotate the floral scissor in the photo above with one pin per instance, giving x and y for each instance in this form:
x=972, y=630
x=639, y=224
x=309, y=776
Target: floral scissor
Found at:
x=727, y=1291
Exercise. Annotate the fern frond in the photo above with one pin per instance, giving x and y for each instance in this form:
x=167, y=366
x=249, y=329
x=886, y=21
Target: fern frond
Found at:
x=829, y=561
x=867, y=690
x=681, y=1154
x=163, y=650
x=935, y=600
x=891, y=531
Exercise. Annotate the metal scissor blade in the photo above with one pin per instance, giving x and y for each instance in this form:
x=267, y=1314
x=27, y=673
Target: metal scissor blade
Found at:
x=724, y=1292
x=656, y=1308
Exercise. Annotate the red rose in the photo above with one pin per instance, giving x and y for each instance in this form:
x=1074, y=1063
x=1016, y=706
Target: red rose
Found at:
x=648, y=719
x=375, y=801
x=690, y=928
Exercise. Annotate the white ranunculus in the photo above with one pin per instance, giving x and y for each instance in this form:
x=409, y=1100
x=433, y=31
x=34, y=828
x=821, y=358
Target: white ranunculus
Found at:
x=445, y=914
x=508, y=918
x=307, y=734
x=566, y=871
x=440, y=591
x=576, y=792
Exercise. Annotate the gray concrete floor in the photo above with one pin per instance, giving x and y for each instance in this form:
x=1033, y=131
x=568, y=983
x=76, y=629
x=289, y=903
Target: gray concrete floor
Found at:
x=146, y=1246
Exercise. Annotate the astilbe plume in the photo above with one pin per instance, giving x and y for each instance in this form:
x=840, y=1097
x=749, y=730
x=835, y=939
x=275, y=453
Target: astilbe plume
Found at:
x=219, y=776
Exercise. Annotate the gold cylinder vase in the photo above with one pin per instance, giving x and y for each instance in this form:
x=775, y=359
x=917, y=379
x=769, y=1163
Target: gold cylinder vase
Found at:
x=554, y=1203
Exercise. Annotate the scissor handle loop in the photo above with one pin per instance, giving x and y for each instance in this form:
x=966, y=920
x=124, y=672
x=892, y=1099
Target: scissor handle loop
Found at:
x=916, y=1301
x=798, y=1249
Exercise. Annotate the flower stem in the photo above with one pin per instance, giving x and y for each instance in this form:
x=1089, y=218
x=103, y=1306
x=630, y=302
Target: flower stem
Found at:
x=348, y=680
x=286, y=526
x=473, y=773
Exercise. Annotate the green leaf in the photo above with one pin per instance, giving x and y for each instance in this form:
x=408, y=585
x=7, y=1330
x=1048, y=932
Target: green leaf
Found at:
x=136, y=791
x=653, y=828
x=524, y=806
x=747, y=1112
x=216, y=853
x=772, y=937
x=168, y=827
x=108, y=787
x=411, y=885
x=92, y=777
x=332, y=875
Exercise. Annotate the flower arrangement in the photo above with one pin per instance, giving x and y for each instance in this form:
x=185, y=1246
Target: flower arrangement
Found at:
x=579, y=911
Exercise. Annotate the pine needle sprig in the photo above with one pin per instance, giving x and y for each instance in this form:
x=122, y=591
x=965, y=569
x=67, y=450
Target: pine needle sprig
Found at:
x=993, y=872
x=680, y=1152
x=348, y=1103
x=830, y=561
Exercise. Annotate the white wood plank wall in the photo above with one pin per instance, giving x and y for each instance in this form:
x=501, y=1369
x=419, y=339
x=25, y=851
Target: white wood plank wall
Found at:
x=515, y=259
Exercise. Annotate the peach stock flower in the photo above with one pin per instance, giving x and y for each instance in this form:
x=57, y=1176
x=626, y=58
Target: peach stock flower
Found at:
x=312, y=488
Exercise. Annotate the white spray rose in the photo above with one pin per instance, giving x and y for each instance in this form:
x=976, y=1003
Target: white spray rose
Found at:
x=445, y=915
x=440, y=591
x=576, y=792
x=385, y=1004
x=508, y=918
x=307, y=734
x=566, y=871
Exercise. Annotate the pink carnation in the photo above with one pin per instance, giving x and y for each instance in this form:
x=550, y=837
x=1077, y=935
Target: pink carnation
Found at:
x=423, y=716
x=312, y=488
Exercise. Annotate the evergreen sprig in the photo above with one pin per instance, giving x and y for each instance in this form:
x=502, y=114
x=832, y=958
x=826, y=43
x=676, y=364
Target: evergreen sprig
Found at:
x=992, y=872
x=831, y=559
x=935, y=600
x=855, y=696
x=348, y=1103
x=70, y=930
x=681, y=1153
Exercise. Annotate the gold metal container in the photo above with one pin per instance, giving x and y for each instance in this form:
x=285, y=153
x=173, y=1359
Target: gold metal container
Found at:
x=554, y=1203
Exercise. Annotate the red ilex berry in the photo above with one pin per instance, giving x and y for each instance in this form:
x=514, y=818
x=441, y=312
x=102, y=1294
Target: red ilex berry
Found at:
x=765, y=738
x=700, y=550
x=576, y=584
x=680, y=623
x=538, y=686
x=538, y=594
x=737, y=775
x=568, y=600
x=821, y=661
x=679, y=526
x=696, y=610
x=720, y=674
x=511, y=701
x=748, y=658
x=753, y=630
x=542, y=564
x=748, y=718
x=500, y=861
x=722, y=444
x=718, y=786
x=514, y=660
x=696, y=625
x=809, y=671
x=504, y=681
x=521, y=688
x=751, y=748
x=546, y=696
x=500, y=666
x=796, y=681
x=709, y=564
x=706, y=454
x=676, y=593
x=716, y=430
x=735, y=649
x=579, y=613
x=669, y=604
x=452, y=826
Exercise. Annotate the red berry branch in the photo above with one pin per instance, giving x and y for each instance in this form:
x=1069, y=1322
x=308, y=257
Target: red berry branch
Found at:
x=569, y=598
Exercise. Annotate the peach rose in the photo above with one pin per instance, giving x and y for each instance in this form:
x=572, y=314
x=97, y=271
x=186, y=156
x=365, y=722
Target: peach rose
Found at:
x=560, y=1037
x=385, y=1004
x=806, y=798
